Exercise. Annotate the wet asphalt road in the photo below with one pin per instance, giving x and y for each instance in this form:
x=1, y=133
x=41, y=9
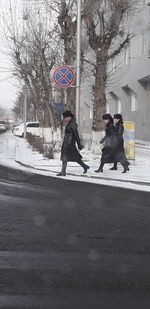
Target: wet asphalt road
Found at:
x=69, y=245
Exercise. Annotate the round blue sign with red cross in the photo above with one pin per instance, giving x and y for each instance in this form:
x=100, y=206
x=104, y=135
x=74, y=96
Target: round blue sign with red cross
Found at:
x=63, y=76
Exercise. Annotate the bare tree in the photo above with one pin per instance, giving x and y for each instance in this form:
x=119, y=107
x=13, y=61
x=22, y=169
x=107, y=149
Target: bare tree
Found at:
x=67, y=23
x=66, y=17
x=18, y=106
x=65, y=13
x=43, y=45
x=103, y=20
x=33, y=53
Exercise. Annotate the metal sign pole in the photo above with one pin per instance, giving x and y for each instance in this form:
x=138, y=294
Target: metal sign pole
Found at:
x=78, y=55
x=25, y=111
x=65, y=98
x=25, y=18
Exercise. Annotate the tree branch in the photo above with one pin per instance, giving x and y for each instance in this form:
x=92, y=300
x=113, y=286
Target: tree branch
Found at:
x=121, y=46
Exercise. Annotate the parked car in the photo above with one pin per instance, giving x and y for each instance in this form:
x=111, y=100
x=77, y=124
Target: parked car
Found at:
x=32, y=127
x=3, y=125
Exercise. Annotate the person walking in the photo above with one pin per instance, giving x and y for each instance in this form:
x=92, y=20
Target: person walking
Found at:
x=120, y=157
x=110, y=143
x=69, y=152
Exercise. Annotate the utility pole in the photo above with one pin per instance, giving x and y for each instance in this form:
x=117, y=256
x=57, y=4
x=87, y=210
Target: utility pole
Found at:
x=25, y=111
x=78, y=62
x=25, y=17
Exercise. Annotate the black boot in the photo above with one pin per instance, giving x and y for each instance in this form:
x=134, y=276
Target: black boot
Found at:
x=63, y=171
x=114, y=168
x=100, y=169
x=86, y=167
x=61, y=174
x=126, y=168
x=128, y=163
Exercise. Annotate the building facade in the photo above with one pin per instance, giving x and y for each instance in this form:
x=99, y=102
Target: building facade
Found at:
x=128, y=87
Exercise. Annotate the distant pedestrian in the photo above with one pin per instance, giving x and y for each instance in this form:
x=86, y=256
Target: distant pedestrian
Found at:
x=69, y=150
x=110, y=143
x=120, y=157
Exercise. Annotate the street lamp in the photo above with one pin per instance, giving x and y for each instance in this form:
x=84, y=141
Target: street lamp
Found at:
x=78, y=60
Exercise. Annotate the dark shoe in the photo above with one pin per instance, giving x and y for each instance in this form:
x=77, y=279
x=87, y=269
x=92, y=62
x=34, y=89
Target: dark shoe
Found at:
x=61, y=174
x=113, y=168
x=126, y=169
x=85, y=169
x=128, y=163
x=100, y=170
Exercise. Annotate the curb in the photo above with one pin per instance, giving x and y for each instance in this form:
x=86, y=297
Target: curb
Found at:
x=142, y=145
x=85, y=176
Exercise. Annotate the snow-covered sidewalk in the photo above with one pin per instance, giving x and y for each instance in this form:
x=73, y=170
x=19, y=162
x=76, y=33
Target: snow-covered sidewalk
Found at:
x=17, y=153
x=137, y=178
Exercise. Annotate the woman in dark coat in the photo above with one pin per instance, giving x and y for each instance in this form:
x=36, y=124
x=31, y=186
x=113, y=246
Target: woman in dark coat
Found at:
x=110, y=143
x=119, y=129
x=113, y=146
x=69, y=150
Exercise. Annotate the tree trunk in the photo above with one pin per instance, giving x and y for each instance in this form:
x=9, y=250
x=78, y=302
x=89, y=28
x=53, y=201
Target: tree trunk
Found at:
x=71, y=99
x=99, y=90
x=51, y=113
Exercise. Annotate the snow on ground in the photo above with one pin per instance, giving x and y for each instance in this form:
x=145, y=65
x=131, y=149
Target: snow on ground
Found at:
x=16, y=152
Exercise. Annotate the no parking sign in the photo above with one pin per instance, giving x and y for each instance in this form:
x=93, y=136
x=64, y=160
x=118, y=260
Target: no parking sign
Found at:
x=63, y=76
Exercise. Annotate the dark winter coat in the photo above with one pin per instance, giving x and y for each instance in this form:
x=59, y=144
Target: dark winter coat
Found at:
x=69, y=151
x=119, y=130
x=111, y=144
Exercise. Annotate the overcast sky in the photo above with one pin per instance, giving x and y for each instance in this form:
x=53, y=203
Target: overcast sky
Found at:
x=8, y=85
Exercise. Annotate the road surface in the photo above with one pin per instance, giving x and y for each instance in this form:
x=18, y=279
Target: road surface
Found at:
x=69, y=245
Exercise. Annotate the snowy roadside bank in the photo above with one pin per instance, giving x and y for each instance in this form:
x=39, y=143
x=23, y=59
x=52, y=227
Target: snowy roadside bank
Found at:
x=138, y=178
x=17, y=153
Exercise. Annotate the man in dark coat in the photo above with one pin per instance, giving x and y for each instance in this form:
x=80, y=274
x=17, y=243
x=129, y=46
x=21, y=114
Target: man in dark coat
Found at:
x=69, y=150
x=119, y=129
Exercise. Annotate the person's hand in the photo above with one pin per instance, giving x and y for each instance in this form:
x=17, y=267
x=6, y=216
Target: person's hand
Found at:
x=80, y=147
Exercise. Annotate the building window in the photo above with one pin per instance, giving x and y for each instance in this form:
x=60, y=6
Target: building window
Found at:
x=107, y=108
x=127, y=56
x=91, y=113
x=113, y=65
x=146, y=47
x=147, y=2
x=84, y=117
x=133, y=101
x=119, y=107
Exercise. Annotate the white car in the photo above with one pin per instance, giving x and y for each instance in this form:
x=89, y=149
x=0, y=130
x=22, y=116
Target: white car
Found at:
x=32, y=127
